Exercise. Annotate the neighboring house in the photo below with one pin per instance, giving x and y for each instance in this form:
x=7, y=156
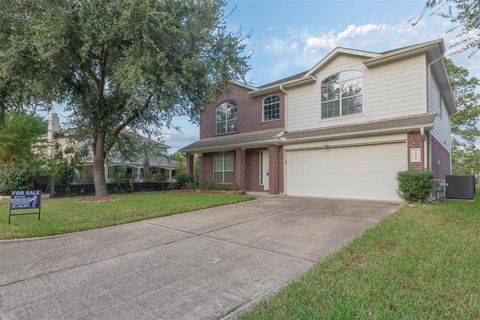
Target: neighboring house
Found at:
x=342, y=129
x=117, y=168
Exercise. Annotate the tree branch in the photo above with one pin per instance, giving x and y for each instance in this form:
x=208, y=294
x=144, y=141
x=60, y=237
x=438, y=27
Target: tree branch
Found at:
x=137, y=113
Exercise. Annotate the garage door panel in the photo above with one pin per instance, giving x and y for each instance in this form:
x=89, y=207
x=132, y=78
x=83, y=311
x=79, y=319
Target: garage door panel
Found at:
x=363, y=172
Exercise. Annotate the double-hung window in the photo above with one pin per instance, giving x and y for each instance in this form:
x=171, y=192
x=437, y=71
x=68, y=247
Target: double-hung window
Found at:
x=271, y=108
x=223, y=168
x=226, y=118
x=342, y=94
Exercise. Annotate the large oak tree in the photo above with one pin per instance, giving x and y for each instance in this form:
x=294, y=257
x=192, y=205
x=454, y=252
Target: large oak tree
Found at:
x=116, y=65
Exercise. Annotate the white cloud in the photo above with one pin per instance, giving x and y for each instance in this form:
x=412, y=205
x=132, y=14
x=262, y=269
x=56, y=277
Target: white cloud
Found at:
x=278, y=46
x=360, y=30
x=334, y=38
x=328, y=41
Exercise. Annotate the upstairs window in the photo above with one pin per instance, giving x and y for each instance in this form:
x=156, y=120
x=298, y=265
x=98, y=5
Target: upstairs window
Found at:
x=226, y=118
x=271, y=108
x=342, y=94
x=223, y=165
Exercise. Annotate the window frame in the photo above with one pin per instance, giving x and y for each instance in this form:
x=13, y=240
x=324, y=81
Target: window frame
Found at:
x=223, y=167
x=271, y=103
x=231, y=103
x=362, y=94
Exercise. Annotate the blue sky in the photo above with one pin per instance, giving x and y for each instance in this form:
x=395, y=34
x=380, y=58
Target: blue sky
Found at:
x=289, y=36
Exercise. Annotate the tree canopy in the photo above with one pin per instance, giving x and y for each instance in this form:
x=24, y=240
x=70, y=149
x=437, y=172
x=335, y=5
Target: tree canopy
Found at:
x=18, y=134
x=119, y=64
x=466, y=122
x=464, y=16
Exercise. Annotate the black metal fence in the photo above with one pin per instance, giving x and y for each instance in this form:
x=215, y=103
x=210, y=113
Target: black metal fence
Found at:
x=85, y=189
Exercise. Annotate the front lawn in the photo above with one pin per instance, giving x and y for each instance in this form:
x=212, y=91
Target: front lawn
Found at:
x=80, y=213
x=423, y=262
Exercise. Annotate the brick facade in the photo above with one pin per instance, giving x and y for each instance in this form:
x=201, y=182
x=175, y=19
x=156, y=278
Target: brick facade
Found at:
x=249, y=113
x=252, y=170
x=189, y=161
x=247, y=169
x=240, y=168
x=274, y=165
x=206, y=168
x=440, y=160
x=415, y=140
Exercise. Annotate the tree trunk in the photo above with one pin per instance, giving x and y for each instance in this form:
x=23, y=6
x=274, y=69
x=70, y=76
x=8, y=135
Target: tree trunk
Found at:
x=146, y=169
x=99, y=166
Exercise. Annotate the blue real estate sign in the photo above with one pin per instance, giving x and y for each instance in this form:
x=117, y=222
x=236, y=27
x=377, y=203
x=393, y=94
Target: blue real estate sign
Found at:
x=29, y=199
x=25, y=199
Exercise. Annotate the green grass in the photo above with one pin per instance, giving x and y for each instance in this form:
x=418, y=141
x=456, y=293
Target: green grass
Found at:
x=76, y=214
x=423, y=262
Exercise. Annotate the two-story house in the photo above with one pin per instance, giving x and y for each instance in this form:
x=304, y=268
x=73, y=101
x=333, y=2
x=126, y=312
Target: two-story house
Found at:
x=342, y=129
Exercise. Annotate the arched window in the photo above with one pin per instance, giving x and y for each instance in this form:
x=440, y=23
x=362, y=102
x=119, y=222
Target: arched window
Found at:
x=342, y=94
x=271, y=108
x=226, y=118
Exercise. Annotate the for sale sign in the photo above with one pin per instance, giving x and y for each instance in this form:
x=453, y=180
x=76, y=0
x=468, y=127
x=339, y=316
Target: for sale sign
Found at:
x=25, y=199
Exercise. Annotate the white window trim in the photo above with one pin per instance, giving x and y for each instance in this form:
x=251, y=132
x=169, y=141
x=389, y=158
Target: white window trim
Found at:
x=263, y=108
x=223, y=167
x=340, y=98
x=226, y=120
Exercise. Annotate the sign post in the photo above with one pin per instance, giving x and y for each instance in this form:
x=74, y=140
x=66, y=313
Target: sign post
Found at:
x=23, y=200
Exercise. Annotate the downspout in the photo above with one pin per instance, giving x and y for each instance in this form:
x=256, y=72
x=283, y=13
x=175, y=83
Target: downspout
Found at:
x=285, y=128
x=426, y=154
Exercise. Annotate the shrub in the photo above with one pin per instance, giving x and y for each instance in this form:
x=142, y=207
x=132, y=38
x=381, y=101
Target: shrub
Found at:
x=15, y=179
x=218, y=186
x=181, y=181
x=64, y=173
x=414, y=186
x=191, y=186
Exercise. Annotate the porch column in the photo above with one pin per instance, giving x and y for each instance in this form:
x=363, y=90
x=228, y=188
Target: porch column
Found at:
x=273, y=169
x=189, y=164
x=240, y=168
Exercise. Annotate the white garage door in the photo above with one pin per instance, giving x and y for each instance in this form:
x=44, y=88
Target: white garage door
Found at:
x=363, y=172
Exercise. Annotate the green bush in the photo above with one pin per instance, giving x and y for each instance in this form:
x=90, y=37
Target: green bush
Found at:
x=191, y=186
x=15, y=179
x=64, y=174
x=414, y=186
x=181, y=181
x=218, y=186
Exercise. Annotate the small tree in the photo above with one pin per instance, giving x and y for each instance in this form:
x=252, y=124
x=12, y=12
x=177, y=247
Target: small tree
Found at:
x=120, y=64
x=18, y=134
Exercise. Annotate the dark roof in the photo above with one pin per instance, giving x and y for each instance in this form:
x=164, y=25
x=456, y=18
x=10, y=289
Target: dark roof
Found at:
x=275, y=135
x=295, y=76
x=410, y=121
x=234, y=139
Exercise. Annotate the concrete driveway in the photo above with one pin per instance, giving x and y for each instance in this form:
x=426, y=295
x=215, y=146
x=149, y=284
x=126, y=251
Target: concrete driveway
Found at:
x=207, y=264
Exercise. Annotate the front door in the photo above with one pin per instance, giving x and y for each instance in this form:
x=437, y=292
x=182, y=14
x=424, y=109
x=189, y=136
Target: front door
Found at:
x=264, y=169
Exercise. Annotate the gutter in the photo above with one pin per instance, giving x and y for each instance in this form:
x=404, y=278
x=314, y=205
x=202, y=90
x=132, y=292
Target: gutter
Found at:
x=288, y=84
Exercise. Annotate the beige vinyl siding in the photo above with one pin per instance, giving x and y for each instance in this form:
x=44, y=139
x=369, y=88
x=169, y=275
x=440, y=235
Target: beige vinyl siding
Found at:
x=441, y=126
x=392, y=90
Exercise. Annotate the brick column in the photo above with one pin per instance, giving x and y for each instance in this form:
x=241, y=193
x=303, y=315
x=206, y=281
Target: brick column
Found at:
x=273, y=170
x=189, y=164
x=240, y=168
x=415, y=141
